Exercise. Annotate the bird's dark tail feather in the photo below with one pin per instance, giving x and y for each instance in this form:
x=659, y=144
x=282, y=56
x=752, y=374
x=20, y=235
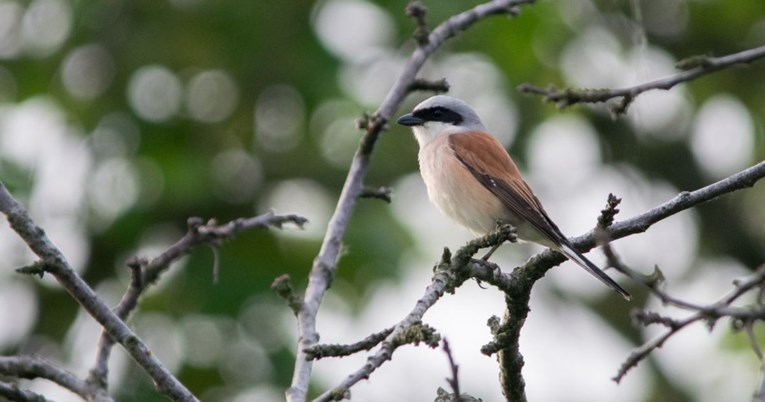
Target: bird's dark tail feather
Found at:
x=583, y=262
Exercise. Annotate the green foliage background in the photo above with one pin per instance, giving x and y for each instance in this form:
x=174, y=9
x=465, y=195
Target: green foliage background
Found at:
x=260, y=44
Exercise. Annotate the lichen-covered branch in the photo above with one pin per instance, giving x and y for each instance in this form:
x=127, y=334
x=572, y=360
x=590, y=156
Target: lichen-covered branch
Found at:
x=336, y=350
x=693, y=68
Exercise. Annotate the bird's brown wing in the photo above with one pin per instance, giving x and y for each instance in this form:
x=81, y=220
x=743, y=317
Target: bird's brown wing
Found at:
x=491, y=165
x=484, y=157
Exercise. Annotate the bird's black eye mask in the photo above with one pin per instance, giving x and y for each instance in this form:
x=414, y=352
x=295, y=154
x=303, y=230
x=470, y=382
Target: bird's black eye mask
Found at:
x=439, y=113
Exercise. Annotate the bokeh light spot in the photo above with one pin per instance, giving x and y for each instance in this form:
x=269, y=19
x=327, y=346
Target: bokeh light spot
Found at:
x=565, y=149
x=722, y=139
x=154, y=93
x=116, y=135
x=212, y=96
x=113, y=188
x=333, y=125
x=18, y=310
x=303, y=196
x=353, y=30
x=279, y=118
x=236, y=176
x=10, y=28
x=204, y=339
x=45, y=26
x=87, y=71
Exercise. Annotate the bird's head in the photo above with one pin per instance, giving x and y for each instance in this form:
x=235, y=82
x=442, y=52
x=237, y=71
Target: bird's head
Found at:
x=441, y=115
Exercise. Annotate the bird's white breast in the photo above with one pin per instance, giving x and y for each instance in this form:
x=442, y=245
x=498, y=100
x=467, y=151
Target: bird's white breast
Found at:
x=454, y=190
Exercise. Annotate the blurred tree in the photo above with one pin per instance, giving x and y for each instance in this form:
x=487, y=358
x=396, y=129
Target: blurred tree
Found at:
x=121, y=119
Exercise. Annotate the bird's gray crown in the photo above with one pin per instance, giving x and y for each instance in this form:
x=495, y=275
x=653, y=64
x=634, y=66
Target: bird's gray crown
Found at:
x=449, y=110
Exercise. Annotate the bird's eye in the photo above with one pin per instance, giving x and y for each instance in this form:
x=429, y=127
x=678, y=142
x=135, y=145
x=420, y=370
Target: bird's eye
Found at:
x=438, y=113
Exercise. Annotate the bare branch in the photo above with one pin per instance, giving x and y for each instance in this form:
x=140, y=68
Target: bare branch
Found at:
x=325, y=263
x=638, y=224
x=685, y=200
x=59, y=267
x=213, y=234
x=517, y=285
x=524, y=276
x=449, y=274
x=441, y=281
x=13, y=393
x=694, y=67
x=710, y=314
x=144, y=273
x=31, y=367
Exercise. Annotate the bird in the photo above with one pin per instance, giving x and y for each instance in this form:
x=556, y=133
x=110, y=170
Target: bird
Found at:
x=471, y=178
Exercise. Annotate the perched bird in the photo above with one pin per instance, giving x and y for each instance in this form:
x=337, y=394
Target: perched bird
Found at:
x=471, y=178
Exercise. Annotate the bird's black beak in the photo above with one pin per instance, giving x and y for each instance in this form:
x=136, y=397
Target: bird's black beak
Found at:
x=410, y=120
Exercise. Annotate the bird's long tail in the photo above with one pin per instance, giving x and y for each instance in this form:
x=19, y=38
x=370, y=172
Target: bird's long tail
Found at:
x=583, y=262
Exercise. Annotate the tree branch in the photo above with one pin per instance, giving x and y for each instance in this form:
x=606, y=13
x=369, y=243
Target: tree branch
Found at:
x=144, y=274
x=325, y=263
x=58, y=266
x=322, y=351
x=538, y=265
x=31, y=367
x=695, y=67
x=449, y=274
x=454, y=381
x=453, y=272
x=710, y=314
x=639, y=224
x=13, y=393
x=420, y=84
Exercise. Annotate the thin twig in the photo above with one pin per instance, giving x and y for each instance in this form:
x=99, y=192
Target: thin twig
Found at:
x=695, y=67
x=709, y=314
x=380, y=193
x=419, y=84
x=454, y=381
x=759, y=396
x=336, y=350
